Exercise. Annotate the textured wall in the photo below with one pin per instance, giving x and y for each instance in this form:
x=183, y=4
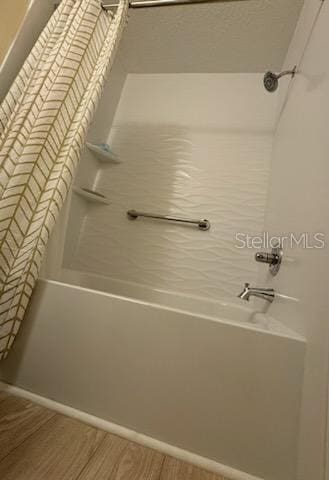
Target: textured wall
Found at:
x=191, y=145
x=232, y=37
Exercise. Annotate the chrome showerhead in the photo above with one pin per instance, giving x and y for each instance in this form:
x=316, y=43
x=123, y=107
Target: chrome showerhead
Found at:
x=271, y=80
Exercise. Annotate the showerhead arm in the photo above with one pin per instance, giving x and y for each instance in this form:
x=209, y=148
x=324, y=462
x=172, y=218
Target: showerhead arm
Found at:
x=287, y=72
x=271, y=80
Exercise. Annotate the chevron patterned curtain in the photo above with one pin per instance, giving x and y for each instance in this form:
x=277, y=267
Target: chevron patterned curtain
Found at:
x=43, y=124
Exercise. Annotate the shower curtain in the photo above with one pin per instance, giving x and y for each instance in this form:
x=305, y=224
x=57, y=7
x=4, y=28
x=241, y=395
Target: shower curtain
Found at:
x=43, y=123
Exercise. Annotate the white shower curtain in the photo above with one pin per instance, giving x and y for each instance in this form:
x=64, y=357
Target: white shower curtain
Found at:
x=43, y=123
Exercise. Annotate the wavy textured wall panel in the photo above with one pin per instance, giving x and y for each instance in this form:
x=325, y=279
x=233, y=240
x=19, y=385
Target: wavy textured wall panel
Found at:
x=192, y=171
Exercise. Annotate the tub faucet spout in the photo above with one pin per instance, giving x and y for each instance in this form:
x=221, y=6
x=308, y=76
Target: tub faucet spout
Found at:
x=264, y=293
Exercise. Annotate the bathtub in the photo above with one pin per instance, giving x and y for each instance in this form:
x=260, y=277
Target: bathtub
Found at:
x=212, y=378
x=229, y=309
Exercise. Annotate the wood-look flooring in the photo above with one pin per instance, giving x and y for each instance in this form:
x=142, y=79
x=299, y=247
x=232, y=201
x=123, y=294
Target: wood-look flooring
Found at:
x=39, y=444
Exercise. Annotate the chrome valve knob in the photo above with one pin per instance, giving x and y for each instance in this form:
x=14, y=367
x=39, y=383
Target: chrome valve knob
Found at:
x=273, y=259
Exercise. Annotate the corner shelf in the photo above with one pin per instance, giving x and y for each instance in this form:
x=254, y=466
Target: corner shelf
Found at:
x=102, y=154
x=91, y=196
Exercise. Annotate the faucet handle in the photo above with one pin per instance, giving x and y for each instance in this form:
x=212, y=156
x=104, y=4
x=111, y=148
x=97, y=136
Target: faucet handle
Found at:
x=273, y=259
x=264, y=257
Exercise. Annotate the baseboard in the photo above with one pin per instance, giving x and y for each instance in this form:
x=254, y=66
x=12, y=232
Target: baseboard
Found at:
x=131, y=435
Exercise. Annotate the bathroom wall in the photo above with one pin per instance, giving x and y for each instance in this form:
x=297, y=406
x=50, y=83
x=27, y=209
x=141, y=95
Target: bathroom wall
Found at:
x=11, y=16
x=298, y=202
x=194, y=145
x=37, y=14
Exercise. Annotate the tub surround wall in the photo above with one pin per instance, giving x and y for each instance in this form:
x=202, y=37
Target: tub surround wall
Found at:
x=64, y=239
x=298, y=202
x=192, y=145
x=99, y=129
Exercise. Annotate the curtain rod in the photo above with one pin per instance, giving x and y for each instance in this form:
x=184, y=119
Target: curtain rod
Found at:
x=162, y=3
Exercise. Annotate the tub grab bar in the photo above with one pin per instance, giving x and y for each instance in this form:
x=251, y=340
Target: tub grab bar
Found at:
x=201, y=224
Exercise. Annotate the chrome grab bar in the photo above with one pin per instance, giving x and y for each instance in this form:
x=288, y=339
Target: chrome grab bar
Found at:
x=201, y=224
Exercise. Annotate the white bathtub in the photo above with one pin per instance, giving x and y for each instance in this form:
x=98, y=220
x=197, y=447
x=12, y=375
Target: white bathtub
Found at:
x=221, y=382
x=229, y=309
